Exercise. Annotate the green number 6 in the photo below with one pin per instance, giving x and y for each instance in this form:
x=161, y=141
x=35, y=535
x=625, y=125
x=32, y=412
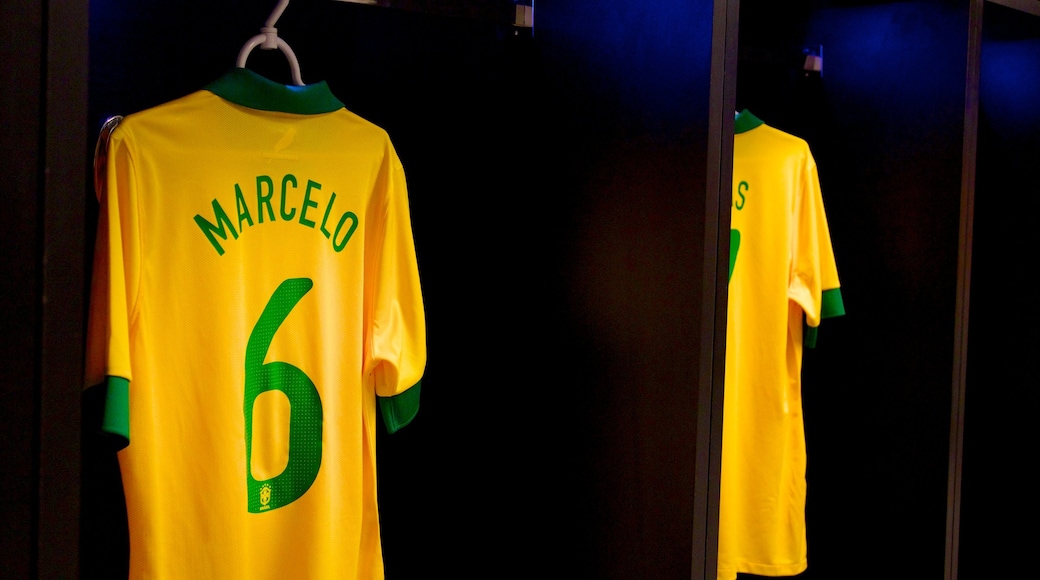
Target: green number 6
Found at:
x=734, y=247
x=305, y=415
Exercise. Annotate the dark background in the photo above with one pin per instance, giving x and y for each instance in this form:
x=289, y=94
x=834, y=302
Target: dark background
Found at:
x=1000, y=435
x=558, y=189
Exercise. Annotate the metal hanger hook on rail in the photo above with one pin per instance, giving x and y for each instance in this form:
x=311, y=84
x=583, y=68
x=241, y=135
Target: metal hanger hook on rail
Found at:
x=268, y=39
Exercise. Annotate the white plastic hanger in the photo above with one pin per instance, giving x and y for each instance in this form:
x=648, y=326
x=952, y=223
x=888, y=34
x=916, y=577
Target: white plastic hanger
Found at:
x=101, y=154
x=268, y=39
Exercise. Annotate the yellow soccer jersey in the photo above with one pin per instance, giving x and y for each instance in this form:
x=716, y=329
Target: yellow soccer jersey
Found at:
x=782, y=272
x=255, y=291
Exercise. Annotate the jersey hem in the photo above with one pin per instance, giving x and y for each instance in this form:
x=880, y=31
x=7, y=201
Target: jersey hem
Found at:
x=762, y=570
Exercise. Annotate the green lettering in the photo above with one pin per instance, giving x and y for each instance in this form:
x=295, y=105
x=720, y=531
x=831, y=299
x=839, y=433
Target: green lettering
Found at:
x=338, y=246
x=307, y=203
x=243, y=209
x=209, y=229
x=741, y=189
x=328, y=210
x=288, y=177
x=264, y=200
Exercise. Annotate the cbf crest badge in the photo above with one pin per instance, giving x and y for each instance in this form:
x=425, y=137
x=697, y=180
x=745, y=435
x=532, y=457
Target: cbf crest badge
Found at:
x=265, y=497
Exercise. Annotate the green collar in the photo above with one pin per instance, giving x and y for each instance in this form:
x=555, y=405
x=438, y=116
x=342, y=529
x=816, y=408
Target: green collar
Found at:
x=248, y=89
x=745, y=121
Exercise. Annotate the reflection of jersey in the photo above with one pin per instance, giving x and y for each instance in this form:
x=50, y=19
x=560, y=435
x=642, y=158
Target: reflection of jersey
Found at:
x=782, y=269
x=255, y=290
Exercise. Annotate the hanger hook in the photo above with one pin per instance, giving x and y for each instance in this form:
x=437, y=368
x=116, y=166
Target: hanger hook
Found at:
x=276, y=13
x=268, y=39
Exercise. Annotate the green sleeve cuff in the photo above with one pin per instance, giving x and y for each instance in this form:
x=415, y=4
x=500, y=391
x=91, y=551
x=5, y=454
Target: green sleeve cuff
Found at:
x=809, y=336
x=116, y=421
x=400, y=409
x=831, y=305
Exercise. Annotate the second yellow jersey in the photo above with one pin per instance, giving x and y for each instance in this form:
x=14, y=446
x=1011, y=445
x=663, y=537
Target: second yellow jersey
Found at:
x=255, y=305
x=783, y=282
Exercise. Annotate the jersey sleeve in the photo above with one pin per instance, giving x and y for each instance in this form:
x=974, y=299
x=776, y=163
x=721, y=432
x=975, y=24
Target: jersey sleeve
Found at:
x=814, y=284
x=395, y=345
x=113, y=287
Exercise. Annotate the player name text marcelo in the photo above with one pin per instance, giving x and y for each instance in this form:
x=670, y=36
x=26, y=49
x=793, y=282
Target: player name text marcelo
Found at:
x=310, y=209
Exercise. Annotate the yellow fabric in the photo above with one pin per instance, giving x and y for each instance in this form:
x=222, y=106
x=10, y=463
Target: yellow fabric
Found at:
x=173, y=311
x=783, y=263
